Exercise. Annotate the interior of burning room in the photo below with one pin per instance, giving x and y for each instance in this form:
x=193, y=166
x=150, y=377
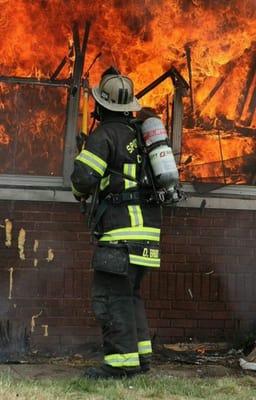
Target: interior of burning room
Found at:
x=211, y=43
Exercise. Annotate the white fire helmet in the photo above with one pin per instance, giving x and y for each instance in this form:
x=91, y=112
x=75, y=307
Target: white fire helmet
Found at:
x=115, y=93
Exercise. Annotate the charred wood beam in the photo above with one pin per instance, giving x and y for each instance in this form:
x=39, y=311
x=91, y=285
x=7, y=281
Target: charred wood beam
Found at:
x=154, y=84
x=168, y=114
x=86, y=37
x=229, y=68
x=73, y=102
x=35, y=81
x=61, y=65
x=172, y=73
x=59, y=68
x=86, y=76
x=177, y=120
x=76, y=38
x=251, y=132
x=241, y=104
x=222, y=159
x=189, y=63
x=252, y=108
x=181, y=89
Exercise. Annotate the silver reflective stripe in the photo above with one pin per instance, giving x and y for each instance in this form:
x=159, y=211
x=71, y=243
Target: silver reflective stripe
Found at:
x=129, y=170
x=146, y=261
x=122, y=360
x=132, y=233
x=76, y=193
x=93, y=161
x=145, y=347
x=104, y=182
x=135, y=215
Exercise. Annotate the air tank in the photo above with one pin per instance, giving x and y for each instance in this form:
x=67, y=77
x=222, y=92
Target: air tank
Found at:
x=160, y=153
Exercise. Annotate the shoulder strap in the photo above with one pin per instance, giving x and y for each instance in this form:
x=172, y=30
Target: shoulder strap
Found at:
x=146, y=168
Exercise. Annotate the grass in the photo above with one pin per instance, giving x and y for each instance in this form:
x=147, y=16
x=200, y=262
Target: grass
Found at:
x=139, y=388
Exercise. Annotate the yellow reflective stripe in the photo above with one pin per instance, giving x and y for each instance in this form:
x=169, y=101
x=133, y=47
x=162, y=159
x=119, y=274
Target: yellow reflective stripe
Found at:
x=145, y=347
x=75, y=191
x=122, y=360
x=132, y=233
x=146, y=261
x=135, y=215
x=93, y=161
x=104, y=182
x=129, y=170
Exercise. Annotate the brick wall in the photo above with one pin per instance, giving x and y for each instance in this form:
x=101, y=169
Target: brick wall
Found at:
x=204, y=290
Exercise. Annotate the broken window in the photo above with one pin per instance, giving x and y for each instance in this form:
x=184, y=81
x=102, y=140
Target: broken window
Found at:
x=32, y=129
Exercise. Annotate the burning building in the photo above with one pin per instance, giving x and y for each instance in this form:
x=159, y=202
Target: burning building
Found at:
x=50, y=51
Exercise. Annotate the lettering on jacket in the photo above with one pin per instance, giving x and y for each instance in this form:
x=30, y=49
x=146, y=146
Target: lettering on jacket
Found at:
x=132, y=146
x=151, y=253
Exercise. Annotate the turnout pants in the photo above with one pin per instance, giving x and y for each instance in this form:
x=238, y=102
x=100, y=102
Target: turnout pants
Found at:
x=120, y=310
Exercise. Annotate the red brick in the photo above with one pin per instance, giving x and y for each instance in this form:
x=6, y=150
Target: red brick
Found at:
x=184, y=323
x=229, y=323
x=214, y=249
x=180, y=240
x=209, y=323
x=196, y=286
x=159, y=323
x=173, y=258
x=184, y=305
x=222, y=315
x=240, y=251
x=85, y=237
x=204, y=334
x=195, y=258
x=248, y=243
x=212, y=306
x=153, y=313
x=64, y=216
x=39, y=339
x=180, y=287
x=163, y=285
x=226, y=259
x=198, y=240
x=159, y=304
x=188, y=249
x=205, y=292
x=214, y=287
x=222, y=241
x=172, y=314
x=212, y=232
x=74, y=339
x=36, y=216
x=198, y=314
x=33, y=206
x=65, y=207
x=222, y=221
x=188, y=287
x=170, y=332
x=236, y=232
x=186, y=267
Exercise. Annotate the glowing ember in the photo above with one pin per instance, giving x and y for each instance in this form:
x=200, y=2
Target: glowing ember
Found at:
x=143, y=38
x=4, y=138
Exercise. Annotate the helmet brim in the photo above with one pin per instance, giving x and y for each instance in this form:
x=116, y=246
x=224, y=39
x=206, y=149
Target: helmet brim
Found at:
x=132, y=106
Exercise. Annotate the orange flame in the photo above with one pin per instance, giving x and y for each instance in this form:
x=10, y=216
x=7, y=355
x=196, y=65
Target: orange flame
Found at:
x=142, y=38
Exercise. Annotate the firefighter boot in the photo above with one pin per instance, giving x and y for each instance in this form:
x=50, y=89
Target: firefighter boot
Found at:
x=108, y=372
x=144, y=368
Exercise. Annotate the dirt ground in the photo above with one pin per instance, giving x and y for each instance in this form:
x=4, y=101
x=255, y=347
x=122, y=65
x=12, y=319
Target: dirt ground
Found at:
x=173, y=360
x=51, y=371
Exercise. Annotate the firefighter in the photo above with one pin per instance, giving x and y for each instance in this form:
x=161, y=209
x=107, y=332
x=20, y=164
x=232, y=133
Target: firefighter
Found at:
x=127, y=225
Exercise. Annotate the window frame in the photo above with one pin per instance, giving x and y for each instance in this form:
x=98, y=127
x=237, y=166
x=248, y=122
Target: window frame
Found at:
x=73, y=84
